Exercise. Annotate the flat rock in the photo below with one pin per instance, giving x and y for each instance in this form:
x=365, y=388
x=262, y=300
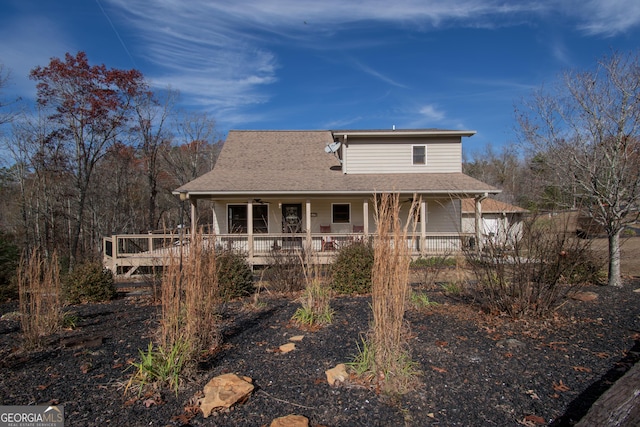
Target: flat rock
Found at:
x=339, y=373
x=286, y=348
x=224, y=391
x=296, y=338
x=290, y=421
x=584, y=296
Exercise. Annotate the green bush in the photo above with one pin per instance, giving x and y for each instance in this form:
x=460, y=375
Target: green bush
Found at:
x=352, y=269
x=89, y=282
x=235, y=278
x=9, y=257
x=435, y=262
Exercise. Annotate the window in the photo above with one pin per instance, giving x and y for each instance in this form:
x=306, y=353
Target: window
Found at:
x=237, y=217
x=260, y=218
x=341, y=213
x=419, y=154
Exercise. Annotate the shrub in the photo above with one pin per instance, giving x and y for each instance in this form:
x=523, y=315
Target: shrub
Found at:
x=352, y=268
x=534, y=277
x=235, y=278
x=433, y=262
x=89, y=282
x=284, y=271
x=582, y=266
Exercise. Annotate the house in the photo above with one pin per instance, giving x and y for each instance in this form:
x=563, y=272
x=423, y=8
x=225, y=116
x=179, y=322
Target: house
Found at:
x=280, y=190
x=283, y=188
x=500, y=222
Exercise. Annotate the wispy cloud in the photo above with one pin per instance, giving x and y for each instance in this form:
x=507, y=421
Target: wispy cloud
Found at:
x=377, y=74
x=431, y=113
x=218, y=52
x=608, y=18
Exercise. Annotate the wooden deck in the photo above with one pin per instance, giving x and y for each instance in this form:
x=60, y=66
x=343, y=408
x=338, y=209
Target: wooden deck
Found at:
x=127, y=255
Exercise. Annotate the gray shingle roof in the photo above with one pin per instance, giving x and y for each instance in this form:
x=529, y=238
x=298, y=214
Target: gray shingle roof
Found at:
x=280, y=162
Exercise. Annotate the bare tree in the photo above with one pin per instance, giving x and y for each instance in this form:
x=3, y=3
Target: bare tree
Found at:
x=5, y=116
x=587, y=127
x=194, y=151
x=502, y=169
x=40, y=170
x=150, y=134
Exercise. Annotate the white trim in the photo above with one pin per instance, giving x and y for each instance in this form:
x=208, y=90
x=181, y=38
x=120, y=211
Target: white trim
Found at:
x=413, y=156
x=417, y=132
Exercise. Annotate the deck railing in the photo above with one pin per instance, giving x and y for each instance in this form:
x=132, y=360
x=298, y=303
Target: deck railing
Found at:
x=124, y=254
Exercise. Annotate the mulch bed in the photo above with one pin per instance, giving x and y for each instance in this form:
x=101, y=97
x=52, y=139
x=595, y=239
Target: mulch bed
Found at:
x=478, y=370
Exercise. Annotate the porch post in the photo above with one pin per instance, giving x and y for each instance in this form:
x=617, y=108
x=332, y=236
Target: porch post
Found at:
x=365, y=214
x=214, y=218
x=308, y=221
x=194, y=215
x=478, y=211
x=250, y=230
x=423, y=227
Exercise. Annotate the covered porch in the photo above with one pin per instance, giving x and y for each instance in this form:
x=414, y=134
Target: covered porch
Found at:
x=261, y=227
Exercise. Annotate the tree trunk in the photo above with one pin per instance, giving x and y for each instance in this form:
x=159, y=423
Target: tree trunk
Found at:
x=614, y=259
x=619, y=406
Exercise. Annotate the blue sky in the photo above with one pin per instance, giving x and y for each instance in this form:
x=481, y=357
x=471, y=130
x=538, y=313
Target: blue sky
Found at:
x=329, y=64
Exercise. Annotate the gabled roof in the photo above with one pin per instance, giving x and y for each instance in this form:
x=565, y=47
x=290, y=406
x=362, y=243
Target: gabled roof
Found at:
x=295, y=162
x=490, y=206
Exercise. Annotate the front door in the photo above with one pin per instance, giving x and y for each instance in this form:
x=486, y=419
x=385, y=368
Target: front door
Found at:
x=292, y=217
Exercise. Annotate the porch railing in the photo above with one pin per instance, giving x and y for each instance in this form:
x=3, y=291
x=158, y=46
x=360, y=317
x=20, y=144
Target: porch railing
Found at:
x=124, y=254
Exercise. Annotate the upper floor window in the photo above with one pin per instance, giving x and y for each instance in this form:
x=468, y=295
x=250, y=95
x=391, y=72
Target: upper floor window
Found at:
x=419, y=154
x=341, y=213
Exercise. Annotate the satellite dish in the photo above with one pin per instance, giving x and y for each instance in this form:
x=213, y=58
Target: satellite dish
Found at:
x=333, y=147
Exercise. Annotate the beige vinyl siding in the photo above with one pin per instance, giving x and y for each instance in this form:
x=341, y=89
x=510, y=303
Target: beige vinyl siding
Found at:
x=443, y=216
x=443, y=156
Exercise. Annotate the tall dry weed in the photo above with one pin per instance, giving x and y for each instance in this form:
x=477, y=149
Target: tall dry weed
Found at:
x=390, y=289
x=40, y=297
x=190, y=296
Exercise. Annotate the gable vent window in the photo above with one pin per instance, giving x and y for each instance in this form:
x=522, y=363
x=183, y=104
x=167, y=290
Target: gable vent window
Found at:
x=419, y=154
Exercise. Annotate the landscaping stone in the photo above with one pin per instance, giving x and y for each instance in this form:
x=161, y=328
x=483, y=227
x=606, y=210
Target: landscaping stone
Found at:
x=296, y=338
x=339, y=373
x=584, y=296
x=224, y=391
x=286, y=348
x=290, y=421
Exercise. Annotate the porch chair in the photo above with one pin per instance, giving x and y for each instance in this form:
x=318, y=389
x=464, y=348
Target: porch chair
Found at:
x=327, y=241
